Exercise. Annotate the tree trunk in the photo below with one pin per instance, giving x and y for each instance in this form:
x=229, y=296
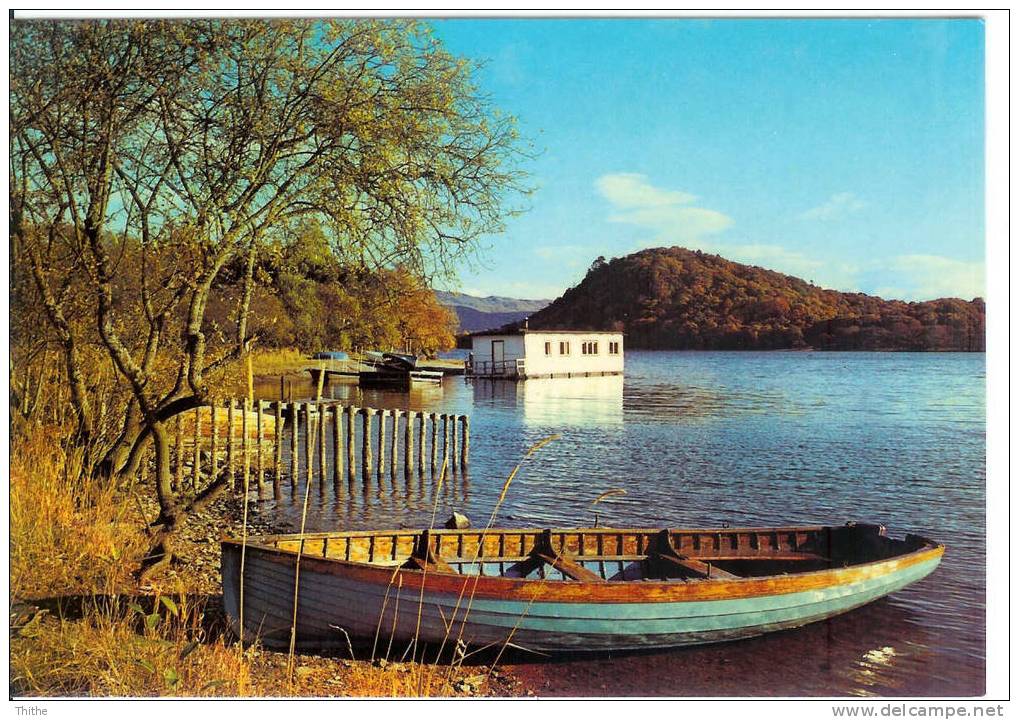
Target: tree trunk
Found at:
x=119, y=460
x=160, y=553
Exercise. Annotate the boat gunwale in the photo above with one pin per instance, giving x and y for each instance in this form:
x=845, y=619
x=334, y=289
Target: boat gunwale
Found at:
x=545, y=590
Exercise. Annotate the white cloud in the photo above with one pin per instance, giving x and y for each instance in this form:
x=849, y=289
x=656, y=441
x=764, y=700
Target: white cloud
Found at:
x=928, y=277
x=628, y=190
x=837, y=206
x=667, y=213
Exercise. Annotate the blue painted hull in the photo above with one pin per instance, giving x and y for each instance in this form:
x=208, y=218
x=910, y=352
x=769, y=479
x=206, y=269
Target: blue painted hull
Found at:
x=332, y=606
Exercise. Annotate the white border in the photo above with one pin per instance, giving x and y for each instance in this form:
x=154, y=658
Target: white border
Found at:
x=998, y=263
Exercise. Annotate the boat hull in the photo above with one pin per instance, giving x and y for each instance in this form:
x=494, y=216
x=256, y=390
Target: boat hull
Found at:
x=337, y=602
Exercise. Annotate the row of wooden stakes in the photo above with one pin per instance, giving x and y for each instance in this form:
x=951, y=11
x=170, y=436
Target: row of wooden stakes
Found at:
x=251, y=436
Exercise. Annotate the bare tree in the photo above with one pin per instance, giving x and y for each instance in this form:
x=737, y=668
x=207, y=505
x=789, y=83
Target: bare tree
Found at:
x=183, y=146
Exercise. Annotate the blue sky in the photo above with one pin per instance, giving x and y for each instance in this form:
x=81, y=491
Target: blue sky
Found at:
x=847, y=152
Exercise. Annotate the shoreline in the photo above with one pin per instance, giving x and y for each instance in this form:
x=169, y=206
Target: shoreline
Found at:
x=193, y=579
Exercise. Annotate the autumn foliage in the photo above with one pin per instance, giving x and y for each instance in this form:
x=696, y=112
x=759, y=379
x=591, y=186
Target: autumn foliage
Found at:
x=673, y=298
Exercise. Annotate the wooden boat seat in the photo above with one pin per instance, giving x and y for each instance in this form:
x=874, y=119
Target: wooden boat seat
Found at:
x=662, y=557
x=544, y=553
x=424, y=558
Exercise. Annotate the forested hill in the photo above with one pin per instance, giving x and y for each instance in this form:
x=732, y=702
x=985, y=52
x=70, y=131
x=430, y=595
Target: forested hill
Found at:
x=673, y=298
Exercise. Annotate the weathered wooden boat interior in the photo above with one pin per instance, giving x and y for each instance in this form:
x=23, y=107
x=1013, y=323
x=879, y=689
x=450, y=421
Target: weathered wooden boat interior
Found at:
x=607, y=554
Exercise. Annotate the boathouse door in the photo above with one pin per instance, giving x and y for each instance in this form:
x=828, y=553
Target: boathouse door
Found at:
x=498, y=353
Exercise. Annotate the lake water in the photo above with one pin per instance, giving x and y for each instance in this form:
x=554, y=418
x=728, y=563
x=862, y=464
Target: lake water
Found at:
x=701, y=439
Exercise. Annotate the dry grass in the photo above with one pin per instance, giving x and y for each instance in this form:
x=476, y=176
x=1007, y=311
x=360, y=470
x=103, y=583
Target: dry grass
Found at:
x=72, y=544
x=124, y=650
x=283, y=361
x=232, y=379
x=69, y=532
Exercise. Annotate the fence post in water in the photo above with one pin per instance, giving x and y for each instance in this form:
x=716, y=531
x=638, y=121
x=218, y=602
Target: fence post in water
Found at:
x=321, y=379
x=323, y=416
x=452, y=442
x=351, y=413
x=230, y=442
x=465, y=444
x=394, y=448
x=337, y=455
x=309, y=434
x=366, y=444
x=445, y=440
x=408, y=444
x=435, y=436
x=277, y=455
x=245, y=411
x=196, y=469
x=421, y=442
x=295, y=416
x=382, y=443
x=260, y=464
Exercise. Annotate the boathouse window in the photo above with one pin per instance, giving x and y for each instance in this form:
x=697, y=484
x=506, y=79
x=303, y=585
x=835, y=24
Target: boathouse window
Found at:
x=548, y=348
x=613, y=348
x=564, y=347
x=589, y=348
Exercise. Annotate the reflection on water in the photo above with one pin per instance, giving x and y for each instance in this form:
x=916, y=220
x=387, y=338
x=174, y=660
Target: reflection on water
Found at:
x=579, y=401
x=742, y=438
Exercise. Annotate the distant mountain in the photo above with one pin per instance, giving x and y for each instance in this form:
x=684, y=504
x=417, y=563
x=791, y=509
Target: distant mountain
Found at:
x=673, y=298
x=485, y=313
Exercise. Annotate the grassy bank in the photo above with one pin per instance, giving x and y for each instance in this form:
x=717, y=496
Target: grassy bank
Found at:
x=81, y=625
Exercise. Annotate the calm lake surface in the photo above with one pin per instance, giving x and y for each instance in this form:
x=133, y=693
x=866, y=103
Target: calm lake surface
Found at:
x=701, y=439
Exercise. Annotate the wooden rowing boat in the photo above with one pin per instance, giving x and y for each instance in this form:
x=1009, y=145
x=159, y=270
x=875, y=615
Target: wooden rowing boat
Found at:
x=561, y=590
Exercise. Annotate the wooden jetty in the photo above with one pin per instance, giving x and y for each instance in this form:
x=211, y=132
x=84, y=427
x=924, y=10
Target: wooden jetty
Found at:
x=551, y=590
x=388, y=370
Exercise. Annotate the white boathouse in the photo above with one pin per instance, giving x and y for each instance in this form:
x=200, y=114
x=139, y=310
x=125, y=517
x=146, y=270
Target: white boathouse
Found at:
x=521, y=354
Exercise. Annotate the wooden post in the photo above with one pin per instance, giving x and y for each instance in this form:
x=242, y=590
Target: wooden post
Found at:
x=213, y=444
x=277, y=465
x=421, y=442
x=323, y=415
x=245, y=411
x=321, y=379
x=465, y=445
x=282, y=397
x=230, y=442
x=408, y=444
x=452, y=442
x=351, y=413
x=260, y=464
x=337, y=454
x=196, y=469
x=295, y=414
x=445, y=440
x=435, y=437
x=309, y=435
x=395, y=445
x=179, y=475
x=366, y=444
x=251, y=382
x=382, y=442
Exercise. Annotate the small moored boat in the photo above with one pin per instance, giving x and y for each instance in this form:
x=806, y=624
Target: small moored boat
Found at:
x=557, y=590
x=399, y=370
